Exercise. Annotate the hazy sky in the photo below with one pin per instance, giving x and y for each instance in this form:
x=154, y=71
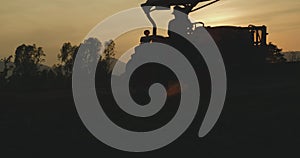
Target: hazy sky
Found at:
x=50, y=23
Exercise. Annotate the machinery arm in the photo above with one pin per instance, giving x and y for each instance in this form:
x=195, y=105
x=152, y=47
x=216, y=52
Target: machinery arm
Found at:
x=187, y=4
x=168, y=3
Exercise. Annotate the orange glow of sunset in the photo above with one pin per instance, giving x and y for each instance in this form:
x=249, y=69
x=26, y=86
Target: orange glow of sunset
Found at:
x=50, y=23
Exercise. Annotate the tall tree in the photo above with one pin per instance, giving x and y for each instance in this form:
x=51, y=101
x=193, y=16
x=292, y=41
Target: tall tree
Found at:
x=109, y=51
x=6, y=68
x=107, y=59
x=275, y=54
x=89, y=53
x=66, y=58
x=27, y=60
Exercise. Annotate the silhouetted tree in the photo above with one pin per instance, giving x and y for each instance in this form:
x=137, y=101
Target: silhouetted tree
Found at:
x=27, y=60
x=275, y=54
x=109, y=51
x=293, y=56
x=6, y=68
x=107, y=59
x=89, y=53
x=66, y=58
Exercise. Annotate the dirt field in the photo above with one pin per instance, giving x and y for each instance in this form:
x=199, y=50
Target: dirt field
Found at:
x=260, y=119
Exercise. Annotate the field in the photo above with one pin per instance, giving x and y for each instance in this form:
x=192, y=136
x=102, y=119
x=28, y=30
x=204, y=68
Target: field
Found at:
x=260, y=119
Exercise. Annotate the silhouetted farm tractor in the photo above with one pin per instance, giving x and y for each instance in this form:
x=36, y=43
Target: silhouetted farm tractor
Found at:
x=241, y=47
x=238, y=45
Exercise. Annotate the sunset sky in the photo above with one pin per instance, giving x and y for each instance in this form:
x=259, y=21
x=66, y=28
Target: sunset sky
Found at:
x=50, y=23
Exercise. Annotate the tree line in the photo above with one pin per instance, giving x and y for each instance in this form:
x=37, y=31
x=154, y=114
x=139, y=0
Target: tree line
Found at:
x=24, y=70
